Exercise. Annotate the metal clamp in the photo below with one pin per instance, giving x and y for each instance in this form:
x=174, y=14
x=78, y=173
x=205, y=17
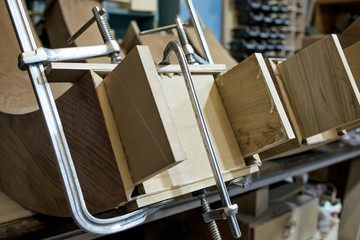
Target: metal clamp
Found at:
x=173, y=46
x=65, y=163
x=110, y=48
x=220, y=213
x=190, y=54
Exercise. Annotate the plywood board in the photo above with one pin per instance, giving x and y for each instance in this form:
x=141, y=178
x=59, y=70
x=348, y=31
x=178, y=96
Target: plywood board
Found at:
x=197, y=168
x=10, y=210
x=321, y=89
x=219, y=54
x=142, y=116
x=256, y=113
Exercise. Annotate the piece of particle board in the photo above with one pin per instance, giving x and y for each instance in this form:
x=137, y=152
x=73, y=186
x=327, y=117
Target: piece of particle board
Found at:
x=256, y=113
x=321, y=88
x=197, y=167
x=142, y=116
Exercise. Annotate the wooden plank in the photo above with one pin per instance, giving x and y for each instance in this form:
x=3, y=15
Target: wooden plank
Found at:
x=176, y=190
x=142, y=116
x=219, y=54
x=196, y=167
x=256, y=113
x=64, y=17
x=321, y=89
x=56, y=72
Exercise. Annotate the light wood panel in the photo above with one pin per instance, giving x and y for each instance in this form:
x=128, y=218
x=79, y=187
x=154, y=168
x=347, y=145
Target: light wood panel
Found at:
x=197, y=168
x=321, y=89
x=64, y=17
x=142, y=115
x=10, y=210
x=256, y=114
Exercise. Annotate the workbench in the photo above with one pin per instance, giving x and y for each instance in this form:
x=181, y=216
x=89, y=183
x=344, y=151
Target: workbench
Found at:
x=41, y=226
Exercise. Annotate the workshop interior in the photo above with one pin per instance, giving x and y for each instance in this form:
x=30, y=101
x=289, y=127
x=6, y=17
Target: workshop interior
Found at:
x=180, y=119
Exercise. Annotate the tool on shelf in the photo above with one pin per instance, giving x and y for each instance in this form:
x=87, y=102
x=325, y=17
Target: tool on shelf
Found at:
x=229, y=210
x=110, y=48
x=65, y=163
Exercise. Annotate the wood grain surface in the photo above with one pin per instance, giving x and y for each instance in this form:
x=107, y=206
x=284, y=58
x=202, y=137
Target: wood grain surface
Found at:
x=142, y=116
x=321, y=89
x=351, y=34
x=28, y=172
x=196, y=167
x=256, y=113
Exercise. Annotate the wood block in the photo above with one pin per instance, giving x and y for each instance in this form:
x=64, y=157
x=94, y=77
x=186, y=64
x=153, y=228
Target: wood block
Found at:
x=256, y=113
x=219, y=54
x=142, y=116
x=321, y=88
x=196, y=168
x=144, y=5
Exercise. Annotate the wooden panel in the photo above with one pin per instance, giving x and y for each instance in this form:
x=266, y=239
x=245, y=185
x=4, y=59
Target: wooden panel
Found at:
x=352, y=56
x=350, y=216
x=219, y=54
x=64, y=17
x=322, y=91
x=28, y=171
x=256, y=113
x=142, y=116
x=253, y=203
x=196, y=168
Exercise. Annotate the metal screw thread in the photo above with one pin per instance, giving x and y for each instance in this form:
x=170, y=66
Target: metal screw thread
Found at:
x=214, y=231
x=102, y=24
x=184, y=41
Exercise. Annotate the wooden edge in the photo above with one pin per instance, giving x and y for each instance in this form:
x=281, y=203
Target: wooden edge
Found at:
x=74, y=71
x=286, y=102
x=347, y=67
x=274, y=95
x=146, y=200
x=114, y=136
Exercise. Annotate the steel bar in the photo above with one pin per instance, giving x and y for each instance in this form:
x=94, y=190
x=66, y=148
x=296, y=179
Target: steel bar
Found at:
x=199, y=32
x=224, y=195
x=160, y=29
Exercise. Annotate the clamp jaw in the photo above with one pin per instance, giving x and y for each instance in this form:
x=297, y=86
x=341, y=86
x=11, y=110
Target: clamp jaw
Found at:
x=45, y=55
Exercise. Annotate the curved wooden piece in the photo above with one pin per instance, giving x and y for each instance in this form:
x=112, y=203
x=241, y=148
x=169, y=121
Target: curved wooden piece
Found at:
x=28, y=172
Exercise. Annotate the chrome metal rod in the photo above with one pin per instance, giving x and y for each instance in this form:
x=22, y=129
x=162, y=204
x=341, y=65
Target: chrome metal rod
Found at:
x=160, y=29
x=65, y=164
x=199, y=32
x=224, y=195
